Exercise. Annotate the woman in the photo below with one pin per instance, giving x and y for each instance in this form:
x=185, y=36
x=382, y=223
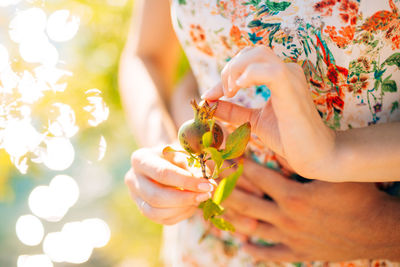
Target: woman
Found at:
x=313, y=221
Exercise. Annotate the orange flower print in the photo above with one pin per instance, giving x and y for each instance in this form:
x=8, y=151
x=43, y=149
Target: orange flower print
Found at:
x=385, y=21
x=198, y=37
x=348, y=13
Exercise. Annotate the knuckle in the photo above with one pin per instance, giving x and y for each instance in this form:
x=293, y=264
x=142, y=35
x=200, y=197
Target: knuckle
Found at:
x=288, y=223
x=225, y=71
x=128, y=179
x=163, y=174
x=149, y=212
x=154, y=199
x=136, y=157
x=296, y=204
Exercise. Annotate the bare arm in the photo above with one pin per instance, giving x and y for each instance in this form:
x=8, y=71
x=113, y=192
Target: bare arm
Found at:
x=146, y=73
x=368, y=154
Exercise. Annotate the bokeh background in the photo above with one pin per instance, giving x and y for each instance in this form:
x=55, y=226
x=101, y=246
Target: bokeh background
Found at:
x=92, y=56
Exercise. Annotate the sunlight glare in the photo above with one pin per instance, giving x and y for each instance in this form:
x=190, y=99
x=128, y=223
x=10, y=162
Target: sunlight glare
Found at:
x=29, y=230
x=39, y=50
x=34, y=261
x=9, y=2
x=9, y=79
x=44, y=203
x=54, y=246
x=28, y=88
x=49, y=76
x=98, y=232
x=53, y=202
x=76, y=240
x=102, y=148
x=66, y=189
x=64, y=123
x=59, y=154
x=27, y=25
x=4, y=58
x=61, y=26
x=97, y=107
x=20, y=137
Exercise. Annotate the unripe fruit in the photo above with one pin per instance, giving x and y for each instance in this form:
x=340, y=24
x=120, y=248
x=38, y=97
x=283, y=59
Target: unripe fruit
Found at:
x=191, y=132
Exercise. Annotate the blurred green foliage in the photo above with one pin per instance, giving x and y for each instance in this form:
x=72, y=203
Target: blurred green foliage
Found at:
x=93, y=58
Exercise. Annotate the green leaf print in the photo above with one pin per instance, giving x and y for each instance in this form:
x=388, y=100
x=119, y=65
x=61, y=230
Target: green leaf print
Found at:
x=389, y=86
x=182, y=2
x=393, y=60
x=252, y=2
x=277, y=6
x=395, y=105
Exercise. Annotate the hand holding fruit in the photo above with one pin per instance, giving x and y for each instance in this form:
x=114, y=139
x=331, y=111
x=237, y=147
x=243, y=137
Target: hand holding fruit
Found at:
x=289, y=123
x=163, y=190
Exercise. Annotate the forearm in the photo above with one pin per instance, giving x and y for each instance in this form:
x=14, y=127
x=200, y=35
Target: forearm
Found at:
x=146, y=111
x=370, y=154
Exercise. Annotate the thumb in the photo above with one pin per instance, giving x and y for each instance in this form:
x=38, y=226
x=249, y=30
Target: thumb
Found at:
x=214, y=93
x=235, y=114
x=263, y=122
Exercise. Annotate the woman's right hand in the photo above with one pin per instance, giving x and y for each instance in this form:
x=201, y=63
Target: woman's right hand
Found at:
x=162, y=188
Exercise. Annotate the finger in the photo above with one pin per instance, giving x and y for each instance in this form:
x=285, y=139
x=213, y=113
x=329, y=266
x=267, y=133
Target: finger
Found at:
x=236, y=114
x=161, y=215
x=244, y=184
x=279, y=252
x=214, y=93
x=253, y=207
x=166, y=173
x=234, y=69
x=269, y=181
x=241, y=183
x=180, y=217
x=160, y=196
x=252, y=227
x=273, y=75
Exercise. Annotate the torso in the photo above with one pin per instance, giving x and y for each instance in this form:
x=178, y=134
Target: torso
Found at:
x=350, y=53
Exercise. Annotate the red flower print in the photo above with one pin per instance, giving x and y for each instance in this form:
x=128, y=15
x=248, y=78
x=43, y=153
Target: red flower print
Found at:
x=348, y=13
x=198, y=37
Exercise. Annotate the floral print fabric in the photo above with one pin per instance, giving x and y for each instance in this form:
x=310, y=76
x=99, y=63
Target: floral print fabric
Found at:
x=350, y=53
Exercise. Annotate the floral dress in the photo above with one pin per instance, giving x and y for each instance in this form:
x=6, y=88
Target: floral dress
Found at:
x=350, y=53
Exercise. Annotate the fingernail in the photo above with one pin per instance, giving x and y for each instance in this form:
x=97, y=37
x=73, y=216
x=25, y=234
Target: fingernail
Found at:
x=239, y=81
x=206, y=187
x=203, y=197
x=206, y=94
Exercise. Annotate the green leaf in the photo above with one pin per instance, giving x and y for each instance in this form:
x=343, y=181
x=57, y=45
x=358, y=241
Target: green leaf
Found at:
x=211, y=209
x=216, y=156
x=389, y=86
x=169, y=149
x=223, y=224
x=182, y=2
x=227, y=185
x=236, y=142
x=207, y=139
x=395, y=105
x=393, y=60
x=277, y=6
x=190, y=161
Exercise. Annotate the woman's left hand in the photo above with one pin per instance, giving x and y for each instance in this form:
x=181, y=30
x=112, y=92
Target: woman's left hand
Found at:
x=289, y=123
x=315, y=221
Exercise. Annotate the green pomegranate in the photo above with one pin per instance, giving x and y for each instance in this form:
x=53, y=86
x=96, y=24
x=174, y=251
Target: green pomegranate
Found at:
x=191, y=132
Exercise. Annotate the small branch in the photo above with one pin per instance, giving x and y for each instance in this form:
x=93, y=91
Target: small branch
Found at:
x=203, y=166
